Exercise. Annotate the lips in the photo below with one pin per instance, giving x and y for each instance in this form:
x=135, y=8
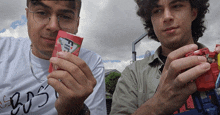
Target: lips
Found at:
x=49, y=40
x=170, y=28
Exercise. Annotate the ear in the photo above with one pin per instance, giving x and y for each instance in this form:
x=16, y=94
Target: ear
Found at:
x=77, y=25
x=26, y=13
x=194, y=13
x=78, y=22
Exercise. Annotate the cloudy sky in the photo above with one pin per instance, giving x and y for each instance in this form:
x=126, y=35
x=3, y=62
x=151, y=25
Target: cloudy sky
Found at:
x=108, y=27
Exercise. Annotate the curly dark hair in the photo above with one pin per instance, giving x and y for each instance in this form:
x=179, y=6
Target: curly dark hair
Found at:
x=145, y=8
x=79, y=3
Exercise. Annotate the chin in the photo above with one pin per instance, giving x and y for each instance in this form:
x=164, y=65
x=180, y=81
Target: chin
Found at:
x=47, y=53
x=176, y=45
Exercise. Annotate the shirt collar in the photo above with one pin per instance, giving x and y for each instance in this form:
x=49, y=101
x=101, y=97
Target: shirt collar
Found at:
x=154, y=59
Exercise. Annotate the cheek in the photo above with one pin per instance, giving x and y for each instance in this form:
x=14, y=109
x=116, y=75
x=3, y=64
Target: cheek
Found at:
x=156, y=23
x=33, y=31
x=73, y=30
x=186, y=23
x=156, y=28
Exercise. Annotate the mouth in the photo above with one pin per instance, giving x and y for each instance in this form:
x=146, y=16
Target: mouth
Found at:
x=49, y=40
x=171, y=28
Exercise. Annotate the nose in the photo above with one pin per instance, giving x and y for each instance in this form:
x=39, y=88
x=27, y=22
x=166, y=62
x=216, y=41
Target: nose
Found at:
x=168, y=15
x=53, y=24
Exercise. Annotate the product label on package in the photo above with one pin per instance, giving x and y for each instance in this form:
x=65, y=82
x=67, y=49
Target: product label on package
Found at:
x=68, y=43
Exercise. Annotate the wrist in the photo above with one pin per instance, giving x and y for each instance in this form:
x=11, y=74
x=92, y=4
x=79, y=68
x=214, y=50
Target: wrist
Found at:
x=150, y=107
x=155, y=106
x=84, y=111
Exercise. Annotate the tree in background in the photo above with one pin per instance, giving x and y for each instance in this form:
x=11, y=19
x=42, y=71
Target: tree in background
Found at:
x=111, y=81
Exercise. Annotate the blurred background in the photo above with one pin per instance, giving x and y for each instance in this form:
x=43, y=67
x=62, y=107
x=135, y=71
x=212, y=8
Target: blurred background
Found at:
x=108, y=27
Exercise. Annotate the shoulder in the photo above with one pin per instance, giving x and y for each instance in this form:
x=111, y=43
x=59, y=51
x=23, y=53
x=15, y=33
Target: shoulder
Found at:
x=13, y=45
x=91, y=58
x=133, y=70
x=139, y=64
x=11, y=42
x=138, y=70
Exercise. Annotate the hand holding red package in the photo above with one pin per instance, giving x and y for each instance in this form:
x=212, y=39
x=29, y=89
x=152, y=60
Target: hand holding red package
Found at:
x=66, y=42
x=207, y=81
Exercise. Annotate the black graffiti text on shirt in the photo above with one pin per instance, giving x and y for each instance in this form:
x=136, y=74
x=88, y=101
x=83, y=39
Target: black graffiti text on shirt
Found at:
x=16, y=104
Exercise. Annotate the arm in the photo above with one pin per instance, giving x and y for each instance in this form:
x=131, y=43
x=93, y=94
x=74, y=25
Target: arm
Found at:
x=124, y=100
x=96, y=101
x=175, y=86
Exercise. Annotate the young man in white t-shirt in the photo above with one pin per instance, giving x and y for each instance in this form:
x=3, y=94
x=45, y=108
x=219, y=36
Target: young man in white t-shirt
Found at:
x=26, y=87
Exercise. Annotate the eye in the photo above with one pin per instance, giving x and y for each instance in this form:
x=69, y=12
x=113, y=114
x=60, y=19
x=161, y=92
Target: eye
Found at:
x=156, y=11
x=65, y=17
x=43, y=13
x=177, y=6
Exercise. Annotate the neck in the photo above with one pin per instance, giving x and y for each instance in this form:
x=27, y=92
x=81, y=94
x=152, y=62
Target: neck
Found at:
x=167, y=50
x=42, y=55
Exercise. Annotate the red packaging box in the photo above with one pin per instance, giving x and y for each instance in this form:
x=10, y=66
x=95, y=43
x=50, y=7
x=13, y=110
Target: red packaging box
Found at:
x=66, y=42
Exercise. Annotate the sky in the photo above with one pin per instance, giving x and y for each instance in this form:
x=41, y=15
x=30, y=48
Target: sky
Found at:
x=108, y=27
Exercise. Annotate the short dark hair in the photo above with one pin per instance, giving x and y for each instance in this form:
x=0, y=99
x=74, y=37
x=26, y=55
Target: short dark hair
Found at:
x=145, y=8
x=75, y=3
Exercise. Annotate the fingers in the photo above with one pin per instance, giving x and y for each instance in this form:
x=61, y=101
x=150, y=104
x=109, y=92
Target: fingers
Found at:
x=66, y=85
x=75, y=74
x=217, y=48
x=181, y=70
x=191, y=74
x=64, y=78
x=179, y=53
x=80, y=64
x=190, y=88
x=182, y=64
x=57, y=85
x=73, y=70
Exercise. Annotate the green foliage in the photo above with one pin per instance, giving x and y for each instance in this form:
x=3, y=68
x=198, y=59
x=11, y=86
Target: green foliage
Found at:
x=111, y=81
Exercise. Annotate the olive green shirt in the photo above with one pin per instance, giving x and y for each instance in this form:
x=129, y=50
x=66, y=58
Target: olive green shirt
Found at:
x=138, y=83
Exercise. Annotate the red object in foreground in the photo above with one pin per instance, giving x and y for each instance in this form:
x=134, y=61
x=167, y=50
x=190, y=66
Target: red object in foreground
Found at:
x=207, y=81
x=66, y=42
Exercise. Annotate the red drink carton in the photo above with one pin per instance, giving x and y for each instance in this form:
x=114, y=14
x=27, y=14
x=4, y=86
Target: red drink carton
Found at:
x=66, y=42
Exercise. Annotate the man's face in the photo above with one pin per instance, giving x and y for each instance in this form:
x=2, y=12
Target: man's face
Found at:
x=172, y=20
x=45, y=19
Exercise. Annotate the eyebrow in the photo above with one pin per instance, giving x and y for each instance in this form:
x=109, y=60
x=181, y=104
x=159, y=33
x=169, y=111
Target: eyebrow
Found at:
x=175, y=1
x=39, y=3
x=66, y=11
x=172, y=2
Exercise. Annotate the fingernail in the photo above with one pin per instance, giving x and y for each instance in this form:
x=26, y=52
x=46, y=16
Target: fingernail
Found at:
x=217, y=49
x=201, y=58
x=197, y=51
x=193, y=46
x=206, y=66
x=61, y=54
x=53, y=59
x=55, y=67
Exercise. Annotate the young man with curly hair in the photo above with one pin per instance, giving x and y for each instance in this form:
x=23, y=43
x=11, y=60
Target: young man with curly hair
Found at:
x=26, y=86
x=161, y=83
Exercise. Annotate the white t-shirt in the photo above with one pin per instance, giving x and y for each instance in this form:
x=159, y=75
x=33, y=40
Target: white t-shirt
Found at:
x=33, y=96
